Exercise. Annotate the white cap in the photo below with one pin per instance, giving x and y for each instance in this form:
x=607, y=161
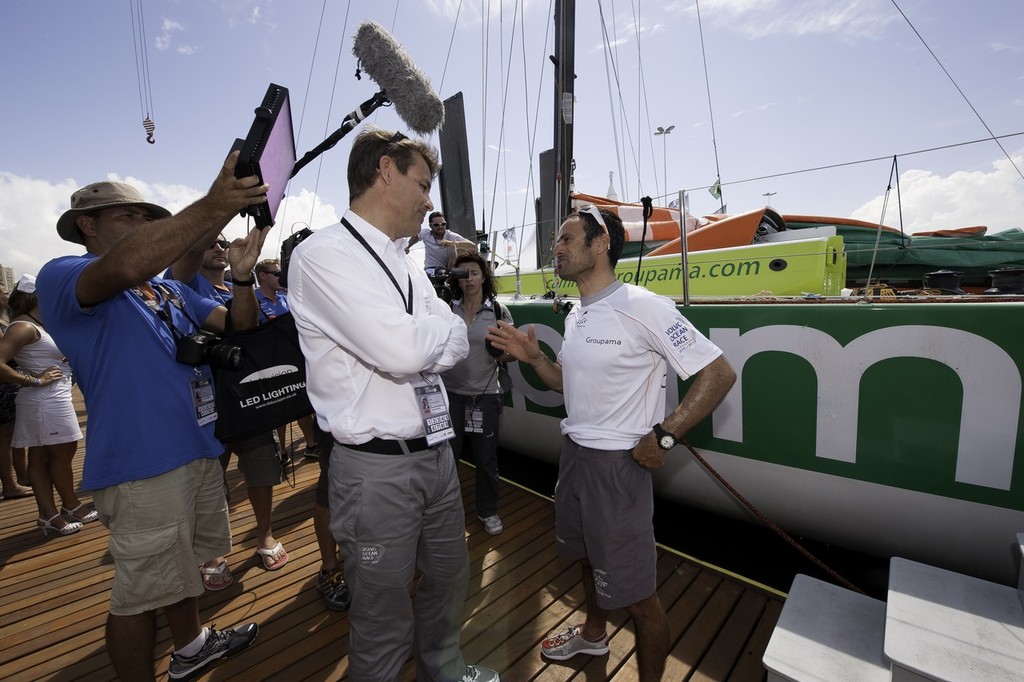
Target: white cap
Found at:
x=27, y=284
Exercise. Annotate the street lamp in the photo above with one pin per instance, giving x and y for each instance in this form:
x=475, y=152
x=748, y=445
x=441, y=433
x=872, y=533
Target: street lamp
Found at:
x=664, y=150
x=768, y=198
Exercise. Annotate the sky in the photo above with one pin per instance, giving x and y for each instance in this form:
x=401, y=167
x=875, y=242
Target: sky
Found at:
x=759, y=91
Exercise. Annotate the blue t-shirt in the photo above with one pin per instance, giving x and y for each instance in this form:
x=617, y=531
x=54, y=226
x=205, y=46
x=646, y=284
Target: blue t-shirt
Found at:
x=271, y=309
x=142, y=417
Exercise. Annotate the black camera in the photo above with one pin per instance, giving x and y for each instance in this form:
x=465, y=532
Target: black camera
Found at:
x=202, y=347
x=444, y=282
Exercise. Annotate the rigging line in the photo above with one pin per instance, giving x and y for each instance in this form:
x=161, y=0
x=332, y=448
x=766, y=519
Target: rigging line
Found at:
x=871, y=160
x=302, y=113
x=532, y=137
x=138, y=63
x=958, y=89
x=881, y=222
x=141, y=58
x=484, y=64
x=451, y=42
x=501, y=156
x=622, y=111
x=606, y=49
x=711, y=108
x=647, y=107
x=330, y=107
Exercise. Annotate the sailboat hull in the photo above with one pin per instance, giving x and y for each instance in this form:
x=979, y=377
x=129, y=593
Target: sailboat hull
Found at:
x=892, y=429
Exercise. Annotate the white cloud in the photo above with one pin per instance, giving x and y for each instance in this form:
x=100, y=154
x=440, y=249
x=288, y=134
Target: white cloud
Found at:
x=29, y=209
x=963, y=199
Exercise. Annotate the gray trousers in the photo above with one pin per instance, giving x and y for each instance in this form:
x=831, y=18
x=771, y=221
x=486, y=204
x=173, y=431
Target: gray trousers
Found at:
x=393, y=515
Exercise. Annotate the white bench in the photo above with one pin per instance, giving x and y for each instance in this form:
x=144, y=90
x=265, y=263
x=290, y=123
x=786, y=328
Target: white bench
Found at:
x=827, y=633
x=942, y=625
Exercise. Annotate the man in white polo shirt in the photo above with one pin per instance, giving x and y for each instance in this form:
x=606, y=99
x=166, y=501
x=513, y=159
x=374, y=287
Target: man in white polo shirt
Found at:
x=612, y=369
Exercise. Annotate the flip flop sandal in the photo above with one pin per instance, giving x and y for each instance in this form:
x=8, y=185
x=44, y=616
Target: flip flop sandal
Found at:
x=217, y=577
x=274, y=558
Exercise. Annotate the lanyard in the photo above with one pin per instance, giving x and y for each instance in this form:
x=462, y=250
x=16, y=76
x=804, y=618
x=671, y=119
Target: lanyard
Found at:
x=406, y=300
x=148, y=295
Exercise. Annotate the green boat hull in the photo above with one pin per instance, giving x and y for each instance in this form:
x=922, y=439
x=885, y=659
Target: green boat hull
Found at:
x=893, y=429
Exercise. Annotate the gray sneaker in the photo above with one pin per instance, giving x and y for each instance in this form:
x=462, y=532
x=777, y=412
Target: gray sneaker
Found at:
x=475, y=673
x=492, y=524
x=220, y=644
x=570, y=642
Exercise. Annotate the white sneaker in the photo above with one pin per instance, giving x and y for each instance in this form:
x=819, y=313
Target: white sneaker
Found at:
x=569, y=642
x=492, y=524
x=475, y=673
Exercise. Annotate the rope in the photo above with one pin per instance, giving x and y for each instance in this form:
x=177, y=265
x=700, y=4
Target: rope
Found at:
x=881, y=222
x=958, y=89
x=330, y=105
x=142, y=76
x=771, y=524
x=648, y=212
x=711, y=109
x=874, y=159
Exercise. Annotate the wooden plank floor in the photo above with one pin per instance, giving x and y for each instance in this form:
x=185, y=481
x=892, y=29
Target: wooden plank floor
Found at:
x=54, y=592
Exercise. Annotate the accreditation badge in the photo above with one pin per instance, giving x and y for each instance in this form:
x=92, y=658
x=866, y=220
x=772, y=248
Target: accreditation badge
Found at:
x=474, y=419
x=437, y=423
x=201, y=388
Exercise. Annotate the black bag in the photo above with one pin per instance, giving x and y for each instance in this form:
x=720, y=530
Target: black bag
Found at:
x=269, y=389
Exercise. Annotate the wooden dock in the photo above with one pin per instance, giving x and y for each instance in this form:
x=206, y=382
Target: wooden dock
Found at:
x=54, y=592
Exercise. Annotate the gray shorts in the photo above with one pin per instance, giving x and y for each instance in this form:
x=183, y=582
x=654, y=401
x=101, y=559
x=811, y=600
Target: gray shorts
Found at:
x=161, y=530
x=604, y=506
x=258, y=460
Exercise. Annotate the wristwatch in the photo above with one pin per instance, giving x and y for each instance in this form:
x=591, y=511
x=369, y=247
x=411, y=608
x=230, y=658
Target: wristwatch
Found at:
x=665, y=440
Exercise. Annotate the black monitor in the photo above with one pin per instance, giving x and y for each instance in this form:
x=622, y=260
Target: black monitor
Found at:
x=269, y=152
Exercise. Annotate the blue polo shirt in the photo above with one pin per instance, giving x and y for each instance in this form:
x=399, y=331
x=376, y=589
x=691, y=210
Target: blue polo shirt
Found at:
x=142, y=418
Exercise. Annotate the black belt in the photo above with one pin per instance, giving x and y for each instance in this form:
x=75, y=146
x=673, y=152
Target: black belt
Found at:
x=381, y=446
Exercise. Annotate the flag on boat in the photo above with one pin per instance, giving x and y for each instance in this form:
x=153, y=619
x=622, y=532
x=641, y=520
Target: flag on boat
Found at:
x=721, y=210
x=716, y=189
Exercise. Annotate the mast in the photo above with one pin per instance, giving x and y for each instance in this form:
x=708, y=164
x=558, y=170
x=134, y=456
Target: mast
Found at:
x=555, y=191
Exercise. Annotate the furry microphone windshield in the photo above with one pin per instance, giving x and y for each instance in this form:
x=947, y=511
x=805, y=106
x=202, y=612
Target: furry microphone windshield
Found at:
x=408, y=88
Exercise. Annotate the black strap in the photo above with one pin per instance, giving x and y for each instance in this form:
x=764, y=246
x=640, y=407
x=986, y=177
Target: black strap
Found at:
x=406, y=300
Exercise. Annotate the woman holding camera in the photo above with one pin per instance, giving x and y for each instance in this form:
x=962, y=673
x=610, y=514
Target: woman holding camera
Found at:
x=45, y=420
x=474, y=395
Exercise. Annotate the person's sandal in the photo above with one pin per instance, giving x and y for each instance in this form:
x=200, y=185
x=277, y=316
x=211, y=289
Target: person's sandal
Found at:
x=274, y=558
x=216, y=577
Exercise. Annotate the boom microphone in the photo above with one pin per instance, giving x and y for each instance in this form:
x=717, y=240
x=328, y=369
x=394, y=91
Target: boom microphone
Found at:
x=402, y=84
x=384, y=60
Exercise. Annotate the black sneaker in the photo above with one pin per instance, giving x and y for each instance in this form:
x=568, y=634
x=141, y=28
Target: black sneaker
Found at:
x=334, y=589
x=312, y=452
x=220, y=644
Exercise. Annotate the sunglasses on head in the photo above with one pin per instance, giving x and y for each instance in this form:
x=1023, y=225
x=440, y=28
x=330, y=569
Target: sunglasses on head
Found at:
x=222, y=243
x=596, y=214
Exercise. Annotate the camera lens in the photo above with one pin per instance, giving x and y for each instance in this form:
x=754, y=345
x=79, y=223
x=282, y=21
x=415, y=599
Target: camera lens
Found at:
x=226, y=356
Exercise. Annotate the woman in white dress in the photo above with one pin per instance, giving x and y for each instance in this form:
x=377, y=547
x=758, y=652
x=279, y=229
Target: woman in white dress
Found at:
x=45, y=420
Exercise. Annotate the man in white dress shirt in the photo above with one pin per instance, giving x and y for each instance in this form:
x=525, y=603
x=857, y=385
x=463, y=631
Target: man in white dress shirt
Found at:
x=375, y=337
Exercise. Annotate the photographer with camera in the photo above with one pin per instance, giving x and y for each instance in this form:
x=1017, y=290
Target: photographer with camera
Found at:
x=202, y=268
x=441, y=245
x=151, y=457
x=473, y=390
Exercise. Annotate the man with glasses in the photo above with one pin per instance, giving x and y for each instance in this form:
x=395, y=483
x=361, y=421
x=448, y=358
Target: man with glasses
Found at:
x=612, y=370
x=202, y=268
x=271, y=296
x=151, y=456
x=376, y=338
x=441, y=245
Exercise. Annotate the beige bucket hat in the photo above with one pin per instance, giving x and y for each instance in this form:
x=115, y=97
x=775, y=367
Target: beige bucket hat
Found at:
x=97, y=196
